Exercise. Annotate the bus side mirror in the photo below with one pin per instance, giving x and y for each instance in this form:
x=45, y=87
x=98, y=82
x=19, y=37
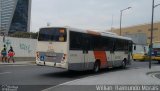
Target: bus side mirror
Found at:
x=134, y=47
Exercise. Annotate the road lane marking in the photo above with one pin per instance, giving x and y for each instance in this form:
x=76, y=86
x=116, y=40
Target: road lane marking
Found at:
x=5, y=73
x=65, y=83
x=153, y=75
x=79, y=79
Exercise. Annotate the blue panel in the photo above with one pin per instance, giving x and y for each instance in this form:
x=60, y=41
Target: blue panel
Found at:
x=42, y=57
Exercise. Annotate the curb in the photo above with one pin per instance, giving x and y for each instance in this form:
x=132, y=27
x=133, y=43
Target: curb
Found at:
x=17, y=63
x=152, y=72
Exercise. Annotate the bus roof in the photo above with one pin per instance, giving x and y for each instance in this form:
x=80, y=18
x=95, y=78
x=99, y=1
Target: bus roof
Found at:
x=108, y=34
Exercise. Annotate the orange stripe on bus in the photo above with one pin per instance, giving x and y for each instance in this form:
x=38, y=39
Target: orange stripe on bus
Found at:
x=101, y=55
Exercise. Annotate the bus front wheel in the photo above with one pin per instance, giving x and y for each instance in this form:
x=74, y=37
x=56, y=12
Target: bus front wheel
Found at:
x=123, y=64
x=96, y=66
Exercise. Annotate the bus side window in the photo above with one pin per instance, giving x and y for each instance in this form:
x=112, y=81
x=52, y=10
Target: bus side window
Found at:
x=85, y=42
x=112, y=45
x=75, y=41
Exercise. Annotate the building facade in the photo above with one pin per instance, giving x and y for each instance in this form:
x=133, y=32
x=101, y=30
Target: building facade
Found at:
x=15, y=16
x=144, y=30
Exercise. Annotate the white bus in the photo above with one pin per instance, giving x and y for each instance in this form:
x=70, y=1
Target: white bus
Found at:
x=80, y=50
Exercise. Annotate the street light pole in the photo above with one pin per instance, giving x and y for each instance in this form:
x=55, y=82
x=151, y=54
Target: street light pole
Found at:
x=121, y=19
x=151, y=40
x=0, y=16
x=120, y=23
x=112, y=24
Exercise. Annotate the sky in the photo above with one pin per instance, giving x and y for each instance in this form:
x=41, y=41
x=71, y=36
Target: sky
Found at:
x=98, y=15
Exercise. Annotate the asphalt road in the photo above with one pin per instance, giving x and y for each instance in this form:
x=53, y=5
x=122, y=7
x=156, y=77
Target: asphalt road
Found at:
x=36, y=78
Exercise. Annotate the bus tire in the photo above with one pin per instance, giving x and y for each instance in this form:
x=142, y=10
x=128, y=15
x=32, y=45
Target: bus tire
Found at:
x=96, y=67
x=123, y=66
x=158, y=62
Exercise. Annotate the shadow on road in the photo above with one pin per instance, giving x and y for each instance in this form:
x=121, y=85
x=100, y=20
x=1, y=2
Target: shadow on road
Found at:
x=80, y=74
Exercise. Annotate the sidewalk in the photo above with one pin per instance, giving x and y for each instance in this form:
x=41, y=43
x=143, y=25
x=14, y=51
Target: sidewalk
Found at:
x=19, y=63
x=129, y=76
x=137, y=76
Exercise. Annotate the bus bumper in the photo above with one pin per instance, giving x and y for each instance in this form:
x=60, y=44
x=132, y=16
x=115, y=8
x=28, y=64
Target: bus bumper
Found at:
x=42, y=63
x=52, y=64
x=57, y=65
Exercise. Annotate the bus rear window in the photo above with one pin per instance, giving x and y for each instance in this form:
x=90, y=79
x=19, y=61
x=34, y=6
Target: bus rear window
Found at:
x=52, y=34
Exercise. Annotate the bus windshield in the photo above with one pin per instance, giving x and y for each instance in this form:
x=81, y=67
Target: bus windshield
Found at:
x=52, y=34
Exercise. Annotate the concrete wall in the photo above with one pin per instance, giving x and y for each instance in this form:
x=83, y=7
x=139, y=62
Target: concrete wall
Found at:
x=23, y=47
x=138, y=38
x=142, y=28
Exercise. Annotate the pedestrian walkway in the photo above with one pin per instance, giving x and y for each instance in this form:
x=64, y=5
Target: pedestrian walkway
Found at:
x=129, y=76
x=122, y=77
x=18, y=63
x=157, y=75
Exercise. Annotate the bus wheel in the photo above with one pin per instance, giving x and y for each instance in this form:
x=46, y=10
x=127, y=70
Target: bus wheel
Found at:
x=123, y=64
x=158, y=62
x=96, y=67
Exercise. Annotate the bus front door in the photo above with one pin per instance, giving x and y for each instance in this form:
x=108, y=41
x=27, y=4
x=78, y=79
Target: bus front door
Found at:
x=112, y=54
x=87, y=54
